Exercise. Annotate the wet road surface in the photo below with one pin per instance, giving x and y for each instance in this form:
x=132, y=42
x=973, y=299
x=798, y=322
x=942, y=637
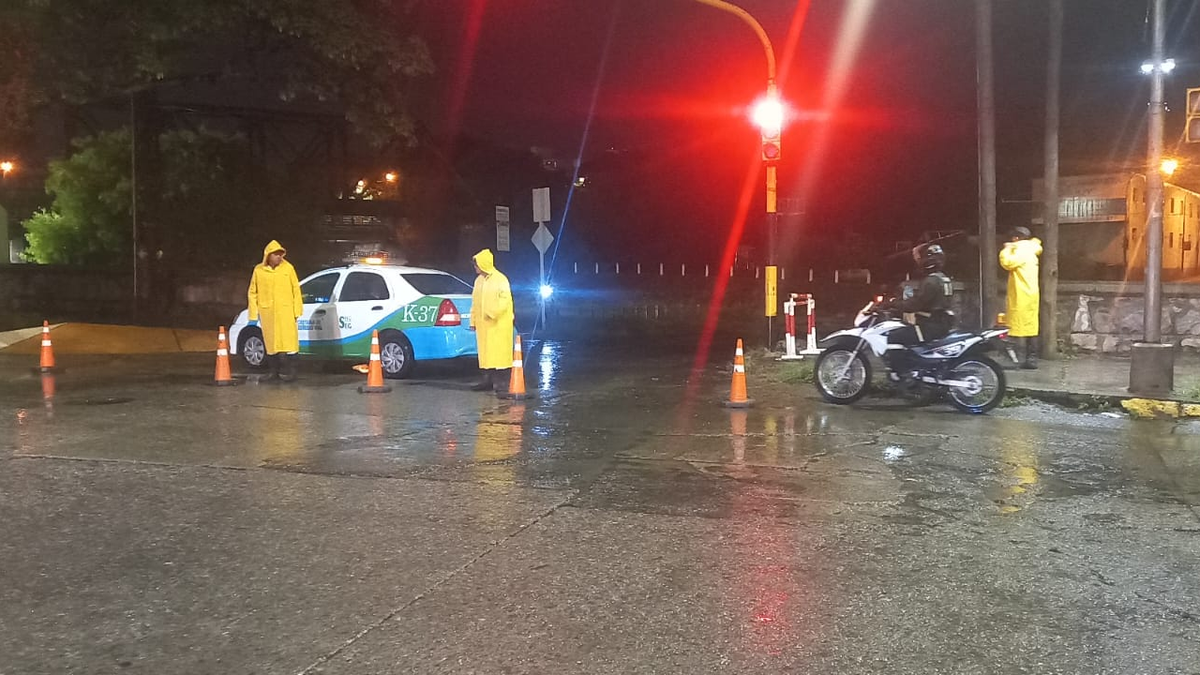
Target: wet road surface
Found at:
x=622, y=522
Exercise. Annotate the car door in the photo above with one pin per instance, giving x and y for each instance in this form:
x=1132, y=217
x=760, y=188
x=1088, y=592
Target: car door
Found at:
x=365, y=299
x=317, y=323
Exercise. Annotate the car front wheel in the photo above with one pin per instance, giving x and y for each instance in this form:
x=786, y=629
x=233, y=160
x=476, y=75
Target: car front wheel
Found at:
x=252, y=349
x=396, y=355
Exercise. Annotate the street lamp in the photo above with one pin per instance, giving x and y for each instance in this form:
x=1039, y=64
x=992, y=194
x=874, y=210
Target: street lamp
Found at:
x=1168, y=166
x=7, y=167
x=768, y=114
x=1152, y=367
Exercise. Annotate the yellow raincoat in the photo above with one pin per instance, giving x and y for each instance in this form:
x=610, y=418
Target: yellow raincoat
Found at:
x=1020, y=258
x=274, y=300
x=492, y=314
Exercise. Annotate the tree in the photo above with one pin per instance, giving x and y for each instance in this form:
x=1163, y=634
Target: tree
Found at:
x=355, y=56
x=88, y=223
x=216, y=207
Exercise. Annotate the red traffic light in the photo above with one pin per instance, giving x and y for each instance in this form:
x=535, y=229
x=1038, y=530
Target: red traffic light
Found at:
x=770, y=150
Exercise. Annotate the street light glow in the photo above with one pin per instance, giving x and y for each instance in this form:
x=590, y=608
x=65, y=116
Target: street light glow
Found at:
x=6, y=167
x=1168, y=166
x=1165, y=67
x=390, y=176
x=546, y=290
x=768, y=115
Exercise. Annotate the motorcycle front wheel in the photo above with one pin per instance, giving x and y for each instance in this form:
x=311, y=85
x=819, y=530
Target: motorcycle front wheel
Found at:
x=842, y=375
x=984, y=385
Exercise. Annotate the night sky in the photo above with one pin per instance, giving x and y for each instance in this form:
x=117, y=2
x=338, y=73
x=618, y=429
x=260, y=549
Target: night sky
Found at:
x=895, y=155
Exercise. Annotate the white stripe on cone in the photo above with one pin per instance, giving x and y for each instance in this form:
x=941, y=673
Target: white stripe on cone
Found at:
x=45, y=343
x=517, y=363
x=375, y=357
x=222, y=352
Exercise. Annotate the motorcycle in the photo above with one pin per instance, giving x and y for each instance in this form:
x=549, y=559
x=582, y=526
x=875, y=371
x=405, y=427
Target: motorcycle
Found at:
x=955, y=366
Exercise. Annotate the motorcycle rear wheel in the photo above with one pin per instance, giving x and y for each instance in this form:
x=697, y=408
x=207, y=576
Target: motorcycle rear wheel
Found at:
x=986, y=389
x=842, y=376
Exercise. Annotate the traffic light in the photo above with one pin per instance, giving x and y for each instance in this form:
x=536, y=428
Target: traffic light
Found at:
x=768, y=115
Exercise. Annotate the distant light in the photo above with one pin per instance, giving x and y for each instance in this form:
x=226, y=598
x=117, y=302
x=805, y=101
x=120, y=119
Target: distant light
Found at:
x=6, y=167
x=373, y=260
x=1168, y=166
x=362, y=185
x=390, y=177
x=1166, y=67
x=580, y=181
x=547, y=290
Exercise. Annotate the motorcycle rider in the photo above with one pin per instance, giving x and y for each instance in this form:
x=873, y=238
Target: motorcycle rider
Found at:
x=927, y=312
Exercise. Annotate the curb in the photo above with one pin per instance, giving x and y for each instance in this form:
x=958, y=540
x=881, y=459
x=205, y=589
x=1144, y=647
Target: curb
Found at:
x=1137, y=407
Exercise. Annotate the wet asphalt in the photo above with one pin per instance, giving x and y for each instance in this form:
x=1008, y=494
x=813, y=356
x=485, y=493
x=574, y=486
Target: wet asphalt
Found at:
x=621, y=522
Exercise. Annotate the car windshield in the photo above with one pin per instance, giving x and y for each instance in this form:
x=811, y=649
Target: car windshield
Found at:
x=437, y=284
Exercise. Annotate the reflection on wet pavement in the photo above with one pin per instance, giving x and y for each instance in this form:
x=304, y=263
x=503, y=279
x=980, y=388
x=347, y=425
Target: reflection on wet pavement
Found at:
x=790, y=537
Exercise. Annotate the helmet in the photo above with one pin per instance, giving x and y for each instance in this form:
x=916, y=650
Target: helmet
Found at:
x=932, y=258
x=1021, y=232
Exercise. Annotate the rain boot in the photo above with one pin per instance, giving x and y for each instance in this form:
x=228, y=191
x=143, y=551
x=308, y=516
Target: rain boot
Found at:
x=501, y=377
x=485, y=383
x=1031, y=354
x=273, y=366
x=287, y=371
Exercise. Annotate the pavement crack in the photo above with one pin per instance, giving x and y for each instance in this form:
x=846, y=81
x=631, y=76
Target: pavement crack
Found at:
x=432, y=588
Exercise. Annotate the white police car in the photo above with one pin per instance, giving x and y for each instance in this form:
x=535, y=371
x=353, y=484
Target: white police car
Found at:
x=420, y=314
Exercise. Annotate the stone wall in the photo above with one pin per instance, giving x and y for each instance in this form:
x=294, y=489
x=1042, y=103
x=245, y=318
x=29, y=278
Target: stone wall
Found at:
x=1108, y=316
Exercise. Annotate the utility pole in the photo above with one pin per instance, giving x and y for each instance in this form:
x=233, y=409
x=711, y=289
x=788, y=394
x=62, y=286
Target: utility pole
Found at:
x=1152, y=370
x=1049, y=287
x=985, y=94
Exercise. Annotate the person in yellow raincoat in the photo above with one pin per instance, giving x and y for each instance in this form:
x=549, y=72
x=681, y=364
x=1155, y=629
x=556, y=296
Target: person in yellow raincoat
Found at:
x=492, y=321
x=1020, y=258
x=275, y=303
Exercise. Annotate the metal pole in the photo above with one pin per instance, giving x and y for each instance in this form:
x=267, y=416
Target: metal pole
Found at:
x=1152, y=322
x=133, y=190
x=1152, y=367
x=542, y=277
x=985, y=93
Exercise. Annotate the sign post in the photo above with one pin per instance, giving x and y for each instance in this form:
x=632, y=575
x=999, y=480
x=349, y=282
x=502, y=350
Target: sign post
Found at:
x=542, y=240
x=502, y=240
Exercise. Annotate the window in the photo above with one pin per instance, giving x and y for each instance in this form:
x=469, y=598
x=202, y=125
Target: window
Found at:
x=437, y=284
x=363, y=286
x=319, y=289
x=1172, y=205
x=1171, y=240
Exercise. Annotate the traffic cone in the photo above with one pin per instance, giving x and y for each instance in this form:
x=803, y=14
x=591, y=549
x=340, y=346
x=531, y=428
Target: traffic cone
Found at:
x=47, y=363
x=737, y=390
x=375, y=383
x=221, y=377
x=516, y=380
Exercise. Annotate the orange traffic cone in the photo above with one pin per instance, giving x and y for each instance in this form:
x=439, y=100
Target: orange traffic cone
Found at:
x=375, y=383
x=47, y=364
x=221, y=377
x=516, y=380
x=737, y=390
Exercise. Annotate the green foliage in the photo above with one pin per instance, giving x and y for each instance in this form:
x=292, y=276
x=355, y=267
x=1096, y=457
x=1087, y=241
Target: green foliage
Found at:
x=358, y=57
x=213, y=209
x=89, y=222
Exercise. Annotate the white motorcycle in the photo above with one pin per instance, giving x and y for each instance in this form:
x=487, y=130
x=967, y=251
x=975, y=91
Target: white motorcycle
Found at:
x=955, y=366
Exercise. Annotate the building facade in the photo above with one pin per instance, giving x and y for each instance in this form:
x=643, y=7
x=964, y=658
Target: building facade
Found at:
x=1102, y=227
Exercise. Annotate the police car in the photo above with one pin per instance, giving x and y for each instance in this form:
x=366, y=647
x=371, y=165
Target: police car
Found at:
x=420, y=314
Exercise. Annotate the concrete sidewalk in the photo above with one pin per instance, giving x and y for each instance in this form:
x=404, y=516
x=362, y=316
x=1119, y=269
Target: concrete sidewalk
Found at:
x=1099, y=376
